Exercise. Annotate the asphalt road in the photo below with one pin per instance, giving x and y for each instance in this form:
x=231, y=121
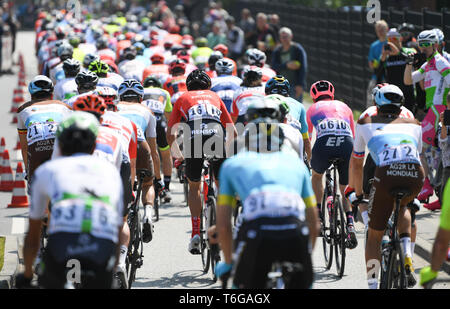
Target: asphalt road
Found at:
x=167, y=262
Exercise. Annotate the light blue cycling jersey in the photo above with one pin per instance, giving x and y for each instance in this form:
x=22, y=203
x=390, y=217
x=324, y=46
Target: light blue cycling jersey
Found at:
x=267, y=186
x=298, y=112
x=224, y=86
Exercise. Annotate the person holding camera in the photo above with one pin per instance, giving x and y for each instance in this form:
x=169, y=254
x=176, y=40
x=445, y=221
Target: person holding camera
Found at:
x=444, y=144
x=393, y=63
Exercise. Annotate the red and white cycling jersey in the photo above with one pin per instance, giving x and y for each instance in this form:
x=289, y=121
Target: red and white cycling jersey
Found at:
x=373, y=111
x=243, y=97
x=199, y=105
x=109, y=146
x=126, y=128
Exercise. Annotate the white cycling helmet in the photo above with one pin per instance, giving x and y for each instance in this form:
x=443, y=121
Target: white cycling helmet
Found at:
x=440, y=35
x=256, y=57
x=428, y=36
x=389, y=95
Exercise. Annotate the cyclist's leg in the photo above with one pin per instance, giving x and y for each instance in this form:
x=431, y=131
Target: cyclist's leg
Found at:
x=124, y=235
x=144, y=161
x=344, y=151
x=164, y=150
x=193, y=173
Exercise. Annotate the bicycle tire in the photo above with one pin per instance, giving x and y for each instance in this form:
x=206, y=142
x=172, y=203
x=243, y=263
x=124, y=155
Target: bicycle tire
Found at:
x=340, y=237
x=395, y=279
x=135, y=252
x=214, y=249
x=205, y=253
x=156, y=206
x=327, y=243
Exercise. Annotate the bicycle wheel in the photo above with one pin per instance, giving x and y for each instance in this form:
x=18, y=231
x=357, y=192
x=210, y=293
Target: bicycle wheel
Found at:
x=340, y=236
x=327, y=243
x=156, y=206
x=396, y=277
x=214, y=249
x=135, y=260
x=205, y=254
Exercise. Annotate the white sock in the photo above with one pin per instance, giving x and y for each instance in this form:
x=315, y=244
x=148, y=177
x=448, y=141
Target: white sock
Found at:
x=406, y=246
x=413, y=245
x=373, y=283
x=365, y=217
x=123, y=254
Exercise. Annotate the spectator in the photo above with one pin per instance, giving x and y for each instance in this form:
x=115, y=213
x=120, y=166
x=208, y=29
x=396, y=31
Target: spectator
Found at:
x=248, y=25
x=216, y=36
x=381, y=29
x=274, y=22
x=290, y=60
x=265, y=35
x=392, y=66
x=235, y=38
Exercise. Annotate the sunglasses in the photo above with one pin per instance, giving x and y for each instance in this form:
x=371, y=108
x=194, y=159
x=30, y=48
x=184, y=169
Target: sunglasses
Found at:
x=425, y=44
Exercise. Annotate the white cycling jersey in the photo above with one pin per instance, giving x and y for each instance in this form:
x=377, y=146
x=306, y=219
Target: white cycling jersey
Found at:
x=131, y=69
x=243, y=97
x=142, y=116
x=65, y=89
x=86, y=194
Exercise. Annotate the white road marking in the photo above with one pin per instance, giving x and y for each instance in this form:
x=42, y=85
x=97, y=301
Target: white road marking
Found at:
x=19, y=226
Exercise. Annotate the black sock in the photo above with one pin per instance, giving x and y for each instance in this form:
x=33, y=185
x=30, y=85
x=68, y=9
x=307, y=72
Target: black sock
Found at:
x=167, y=181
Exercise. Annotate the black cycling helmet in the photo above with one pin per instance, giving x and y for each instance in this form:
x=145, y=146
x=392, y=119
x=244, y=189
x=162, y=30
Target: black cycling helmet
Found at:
x=198, y=80
x=129, y=53
x=77, y=133
x=102, y=43
x=152, y=81
x=86, y=80
x=71, y=67
x=213, y=58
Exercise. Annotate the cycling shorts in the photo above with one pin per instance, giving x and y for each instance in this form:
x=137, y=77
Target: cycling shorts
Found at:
x=125, y=174
x=144, y=160
x=331, y=147
x=161, y=127
x=368, y=173
x=387, y=178
x=38, y=153
x=262, y=242
x=94, y=254
x=209, y=141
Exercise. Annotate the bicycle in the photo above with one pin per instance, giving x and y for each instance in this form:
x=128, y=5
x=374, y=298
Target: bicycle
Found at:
x=393, y=273
x=210, y=253
x=333, y=228
x=181, y=173
x=281, y=273
x=134, y=259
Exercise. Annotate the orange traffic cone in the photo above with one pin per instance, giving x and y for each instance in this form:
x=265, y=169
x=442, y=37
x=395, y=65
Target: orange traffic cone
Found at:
x=18, y=99
x=7, y=182
x=14, y=118
x=18, y=147
x=2, y=147
x=19, y=198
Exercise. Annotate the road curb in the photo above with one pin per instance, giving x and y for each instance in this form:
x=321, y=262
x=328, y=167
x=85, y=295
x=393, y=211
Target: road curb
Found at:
x=424, y=248
x=11, y=262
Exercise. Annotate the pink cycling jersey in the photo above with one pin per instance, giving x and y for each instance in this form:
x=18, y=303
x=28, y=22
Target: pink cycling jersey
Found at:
x=330, y=118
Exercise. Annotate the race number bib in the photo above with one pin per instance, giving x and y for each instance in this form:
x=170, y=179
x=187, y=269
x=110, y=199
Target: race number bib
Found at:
x=156, y=103
x=273, y=205
x=85, y=215
x=333, y=127
x=405, y=153
x=41, y=131
x=204, y=110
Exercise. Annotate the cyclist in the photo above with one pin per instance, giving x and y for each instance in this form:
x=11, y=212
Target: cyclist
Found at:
x=176, y=83
x=334, y=124
x=56, y=71
x=280, y=86
x=85, y=220
x=394, y=144
x=225, y=84
x=440, y=251
x=435, y=75
x=251, y=90
x=201, y=53
x=131, y=94
x=207, y=118
x=279, y=217
x=86, y=84
x=158, y=68
x=211, y=68
x=103, y=51
x=184, y=55
x=224, y=50
x=258, y=58
x=88, y=58
x=67, y=88
x=37, y=123
x=158, y=100
x=130, y=67
x=105, y=77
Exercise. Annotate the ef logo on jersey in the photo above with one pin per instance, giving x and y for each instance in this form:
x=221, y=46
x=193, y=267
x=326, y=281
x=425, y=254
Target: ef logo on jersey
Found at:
x=335, y=141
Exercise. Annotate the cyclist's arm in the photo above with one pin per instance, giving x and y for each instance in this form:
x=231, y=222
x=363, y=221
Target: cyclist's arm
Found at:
x=356, y=163
x=407, y=75
x=175, y=118
x=23, y=145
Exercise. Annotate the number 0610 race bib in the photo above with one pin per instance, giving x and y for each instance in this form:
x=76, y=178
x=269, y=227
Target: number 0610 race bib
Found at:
x=406, y=153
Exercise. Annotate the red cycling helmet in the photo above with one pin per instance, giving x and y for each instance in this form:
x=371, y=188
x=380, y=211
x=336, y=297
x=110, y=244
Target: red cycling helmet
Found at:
x=130, y=35
x=183, y=55
x=90, y=103
x=177, y=66
x=157, y=58
x=322, y=88
x=222, y=48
